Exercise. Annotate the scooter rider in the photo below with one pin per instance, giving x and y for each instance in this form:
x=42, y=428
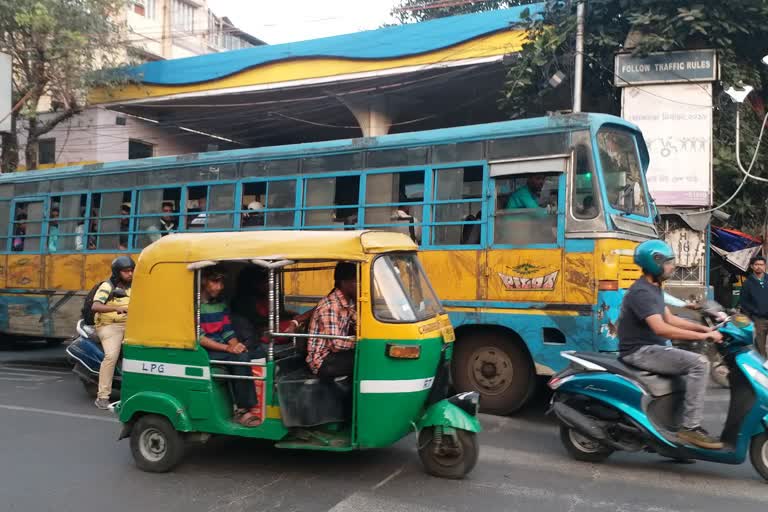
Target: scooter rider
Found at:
x=645, y=326
x=111, y=315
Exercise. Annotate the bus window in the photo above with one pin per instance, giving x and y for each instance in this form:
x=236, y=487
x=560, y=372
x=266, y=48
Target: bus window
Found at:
x=333, y=202
x=211, y=207
x=456, y=216
x=526, y=209
x=65, y=233
x=5, y=210
x=113, y=220
x=157, y=215
x=27, y=226
x=401, y=195
x=585, y=194
x=621, y=171
x=268, y=203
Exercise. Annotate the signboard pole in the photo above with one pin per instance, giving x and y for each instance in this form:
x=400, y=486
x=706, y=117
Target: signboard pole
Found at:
x=5, y=92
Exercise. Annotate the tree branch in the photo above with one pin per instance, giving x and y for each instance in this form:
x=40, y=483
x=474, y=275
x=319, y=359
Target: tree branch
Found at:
x=52, y=123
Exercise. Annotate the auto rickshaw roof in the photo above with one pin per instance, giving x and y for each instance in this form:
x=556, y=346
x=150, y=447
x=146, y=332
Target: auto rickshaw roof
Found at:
x=275, y=245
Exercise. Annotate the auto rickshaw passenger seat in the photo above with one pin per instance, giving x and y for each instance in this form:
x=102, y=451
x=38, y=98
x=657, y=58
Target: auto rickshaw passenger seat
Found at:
x=307, y=400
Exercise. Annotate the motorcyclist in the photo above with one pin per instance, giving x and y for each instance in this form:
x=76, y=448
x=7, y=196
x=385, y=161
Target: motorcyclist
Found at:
x=645, y=327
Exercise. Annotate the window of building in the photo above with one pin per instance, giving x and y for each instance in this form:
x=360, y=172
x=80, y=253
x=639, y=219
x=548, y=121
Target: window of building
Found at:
x=395, y=202
x=331, y=203
x=268, y=204
x=183, y=16
x=46, y=151
x=457, y=210
x=140, y=149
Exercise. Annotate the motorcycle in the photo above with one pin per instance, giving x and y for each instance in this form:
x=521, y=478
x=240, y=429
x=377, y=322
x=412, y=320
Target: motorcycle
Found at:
x=604, y=405
x=85, y=355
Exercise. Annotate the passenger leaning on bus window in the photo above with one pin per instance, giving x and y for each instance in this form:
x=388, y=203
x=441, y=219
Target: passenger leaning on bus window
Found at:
x=165, y=225
x=527, y=195
x=53, y=230
x=19, y=232
x=335, y=315
x=125, y=225
x=219, y=340
x=111, y=315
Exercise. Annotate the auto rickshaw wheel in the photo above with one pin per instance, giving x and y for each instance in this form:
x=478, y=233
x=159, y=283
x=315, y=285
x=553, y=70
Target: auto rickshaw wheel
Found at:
x=448, y=456
x=496, y=366
x=156, y=446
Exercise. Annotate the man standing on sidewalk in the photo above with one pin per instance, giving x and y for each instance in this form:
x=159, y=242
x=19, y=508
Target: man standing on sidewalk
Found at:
x=111, y=315
x=754, y=301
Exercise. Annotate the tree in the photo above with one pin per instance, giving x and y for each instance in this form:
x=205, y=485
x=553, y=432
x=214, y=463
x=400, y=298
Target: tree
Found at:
x=411, y=11
x=735, y=29
x=58, y=48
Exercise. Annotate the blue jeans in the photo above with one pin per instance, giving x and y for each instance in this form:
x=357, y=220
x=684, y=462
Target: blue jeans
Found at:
x=670, y=361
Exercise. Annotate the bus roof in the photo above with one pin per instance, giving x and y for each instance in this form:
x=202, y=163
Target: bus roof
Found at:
x=274, y=245
x=514, y=128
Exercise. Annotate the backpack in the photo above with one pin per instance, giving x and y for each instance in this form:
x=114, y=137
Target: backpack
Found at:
x=87, y=314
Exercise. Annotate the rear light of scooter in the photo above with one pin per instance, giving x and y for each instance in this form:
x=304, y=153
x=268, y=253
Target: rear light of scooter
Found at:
x=557, y=381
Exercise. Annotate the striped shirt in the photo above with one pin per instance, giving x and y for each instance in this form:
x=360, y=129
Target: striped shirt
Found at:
x=334, y=316
x=214, y=321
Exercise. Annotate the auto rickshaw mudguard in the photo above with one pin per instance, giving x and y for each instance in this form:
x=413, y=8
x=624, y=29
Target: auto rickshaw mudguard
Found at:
x=446, y=414
x=150, y=402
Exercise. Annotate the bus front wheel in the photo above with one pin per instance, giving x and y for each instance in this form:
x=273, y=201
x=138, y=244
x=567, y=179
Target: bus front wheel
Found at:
x=495, y=366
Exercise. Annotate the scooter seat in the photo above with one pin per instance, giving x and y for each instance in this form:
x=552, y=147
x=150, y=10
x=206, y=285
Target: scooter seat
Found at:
x=655, y=384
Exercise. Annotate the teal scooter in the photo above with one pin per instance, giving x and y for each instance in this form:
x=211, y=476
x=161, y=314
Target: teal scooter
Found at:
x=604, y=405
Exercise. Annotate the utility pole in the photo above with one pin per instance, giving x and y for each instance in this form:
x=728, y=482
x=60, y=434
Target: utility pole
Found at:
x=578, y=73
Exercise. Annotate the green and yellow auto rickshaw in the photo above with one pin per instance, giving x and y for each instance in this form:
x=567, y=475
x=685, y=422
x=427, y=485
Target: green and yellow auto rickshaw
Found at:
x=173, y=393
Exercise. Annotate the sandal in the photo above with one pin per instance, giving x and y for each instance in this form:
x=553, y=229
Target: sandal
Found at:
x=239, y=413
x=249, y=419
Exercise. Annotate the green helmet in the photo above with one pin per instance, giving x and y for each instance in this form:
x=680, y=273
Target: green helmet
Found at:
x=651, y=255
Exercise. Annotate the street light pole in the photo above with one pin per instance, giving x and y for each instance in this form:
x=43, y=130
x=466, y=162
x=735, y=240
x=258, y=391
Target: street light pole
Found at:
x=578, y=73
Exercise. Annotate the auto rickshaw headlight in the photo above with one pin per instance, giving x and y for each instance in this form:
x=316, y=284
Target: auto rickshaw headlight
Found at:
x=397, y=351
x=468, y=401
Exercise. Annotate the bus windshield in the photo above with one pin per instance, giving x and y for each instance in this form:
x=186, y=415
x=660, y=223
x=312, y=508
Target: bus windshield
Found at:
x=401, y=291
x=622, y=172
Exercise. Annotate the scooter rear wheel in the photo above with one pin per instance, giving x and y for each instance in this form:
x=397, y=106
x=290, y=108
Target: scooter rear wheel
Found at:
x=758, y=454
x=581, y=447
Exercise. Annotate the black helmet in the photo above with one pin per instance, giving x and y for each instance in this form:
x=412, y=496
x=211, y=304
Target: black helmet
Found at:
x=121, y=263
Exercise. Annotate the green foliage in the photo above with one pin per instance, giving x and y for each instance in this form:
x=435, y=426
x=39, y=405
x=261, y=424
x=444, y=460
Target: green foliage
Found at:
x=411, y=11
x=57, y=47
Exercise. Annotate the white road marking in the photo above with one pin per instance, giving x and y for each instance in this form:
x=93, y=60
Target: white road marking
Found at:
x=22, y=368
x=391, y=477
x=52, y=412
x=675, y=478
x=359, y=501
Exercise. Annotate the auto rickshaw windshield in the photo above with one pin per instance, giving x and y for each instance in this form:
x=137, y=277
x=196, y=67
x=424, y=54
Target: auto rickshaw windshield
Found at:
x=401, y=291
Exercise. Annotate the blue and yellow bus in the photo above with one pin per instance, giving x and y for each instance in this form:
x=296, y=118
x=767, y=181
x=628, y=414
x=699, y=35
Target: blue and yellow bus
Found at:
x=526, y=229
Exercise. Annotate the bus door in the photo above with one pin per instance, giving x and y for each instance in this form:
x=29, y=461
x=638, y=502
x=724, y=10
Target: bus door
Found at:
x=525, y=263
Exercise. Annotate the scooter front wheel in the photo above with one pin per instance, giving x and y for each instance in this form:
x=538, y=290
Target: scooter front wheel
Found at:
x=581, y=447
x=758, y=454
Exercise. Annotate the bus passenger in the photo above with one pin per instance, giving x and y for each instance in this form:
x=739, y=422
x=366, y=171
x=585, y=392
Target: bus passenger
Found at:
x=165, y=225
x=19, y=231
x=335, y=315
x=53, y=230
x=198, y=217
x=221, y=343
x=527, y=195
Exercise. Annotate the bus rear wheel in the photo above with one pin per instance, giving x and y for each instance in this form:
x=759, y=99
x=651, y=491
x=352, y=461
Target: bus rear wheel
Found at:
x=496, y=367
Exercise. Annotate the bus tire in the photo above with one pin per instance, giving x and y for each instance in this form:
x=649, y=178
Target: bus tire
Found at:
x=496, y=366
x=155, y=445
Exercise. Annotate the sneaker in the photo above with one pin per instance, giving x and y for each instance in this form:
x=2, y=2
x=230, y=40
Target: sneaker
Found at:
x=698, y=437
x=102, y=403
